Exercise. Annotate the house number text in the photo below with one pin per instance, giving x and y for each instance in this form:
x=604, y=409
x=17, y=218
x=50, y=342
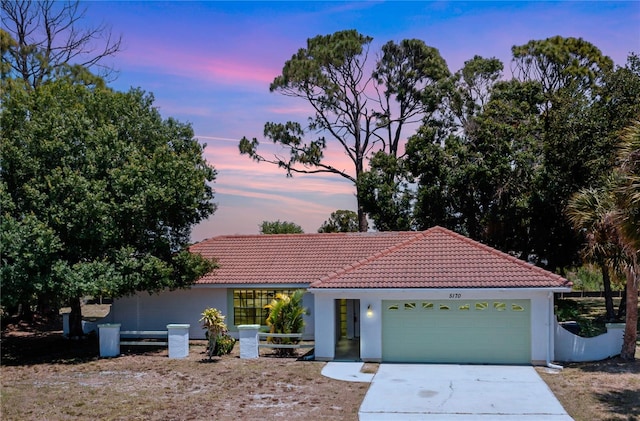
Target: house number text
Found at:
x=455, y=295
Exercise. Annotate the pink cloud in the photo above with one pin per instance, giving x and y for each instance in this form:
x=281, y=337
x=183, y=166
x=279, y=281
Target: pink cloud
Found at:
x=192, y=64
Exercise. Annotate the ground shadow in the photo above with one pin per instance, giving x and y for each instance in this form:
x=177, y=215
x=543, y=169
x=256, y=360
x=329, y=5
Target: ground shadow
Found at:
x=625, y=402
x=47, y=348
x=610, y=365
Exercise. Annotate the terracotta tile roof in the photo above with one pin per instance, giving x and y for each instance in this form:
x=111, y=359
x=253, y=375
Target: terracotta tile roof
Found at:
x=439, y=258
x=435, y=258
x=289, y=258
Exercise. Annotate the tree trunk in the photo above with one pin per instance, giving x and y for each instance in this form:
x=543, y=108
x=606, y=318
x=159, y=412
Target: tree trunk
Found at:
x=363, y=224
x=622, y=308
x=75, y=319
x=630, y=330
x=25, y=313
x=608, y=297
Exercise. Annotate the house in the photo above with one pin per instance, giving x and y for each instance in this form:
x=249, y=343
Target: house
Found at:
x=430, y=296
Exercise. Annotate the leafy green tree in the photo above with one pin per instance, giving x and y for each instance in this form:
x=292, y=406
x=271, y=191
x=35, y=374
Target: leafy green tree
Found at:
x=50, y=40
x=360, y=113
x=478, y=182
x=280, y=227
x=435, y=158
x=286, y=315
x=571, y=72
x=105, y=188
x=386, y=194
x=470, y=90
x=340, y=221
x=559, y=63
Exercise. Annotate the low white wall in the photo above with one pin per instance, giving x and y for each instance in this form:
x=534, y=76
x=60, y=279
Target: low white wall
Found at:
x=144, y=311
x=574, y=348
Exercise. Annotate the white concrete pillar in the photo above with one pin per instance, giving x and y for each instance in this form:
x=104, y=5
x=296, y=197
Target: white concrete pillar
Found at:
x=109, y=339
x=248, y=341
x=178, y=340
x=371, y=329
x=325, y=327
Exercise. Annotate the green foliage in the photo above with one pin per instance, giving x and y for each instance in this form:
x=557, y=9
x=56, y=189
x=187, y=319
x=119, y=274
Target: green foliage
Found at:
x=213, y=321
x=280, y=227
x=504, y=165
x=571, y=310
x=106, y=187
x=586, y=278
x=224, y=345
x=340, y=221
x=286, y=316
x=385, y=193
x=219, y=342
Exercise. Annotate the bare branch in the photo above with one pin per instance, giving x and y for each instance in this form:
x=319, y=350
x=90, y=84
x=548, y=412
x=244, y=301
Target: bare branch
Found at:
x=49, y=39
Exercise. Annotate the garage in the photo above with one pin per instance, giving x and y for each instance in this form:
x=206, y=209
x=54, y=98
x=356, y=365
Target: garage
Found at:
x=457, y=331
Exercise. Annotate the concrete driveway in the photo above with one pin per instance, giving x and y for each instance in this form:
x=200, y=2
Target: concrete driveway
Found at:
x=459, y=392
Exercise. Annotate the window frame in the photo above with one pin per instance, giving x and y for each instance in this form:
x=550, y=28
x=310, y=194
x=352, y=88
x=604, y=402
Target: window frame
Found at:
x=254, y=300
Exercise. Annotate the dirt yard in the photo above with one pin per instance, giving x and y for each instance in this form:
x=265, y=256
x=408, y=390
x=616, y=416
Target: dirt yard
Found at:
x=605, y=390
x=47, y=377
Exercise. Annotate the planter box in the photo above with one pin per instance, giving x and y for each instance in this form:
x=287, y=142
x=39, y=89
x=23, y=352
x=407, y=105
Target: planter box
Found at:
x=248, y=341
x=178, y=340
x=109, y=339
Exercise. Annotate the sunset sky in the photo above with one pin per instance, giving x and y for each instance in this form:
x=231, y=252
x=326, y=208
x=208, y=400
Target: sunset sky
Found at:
x=211, y=63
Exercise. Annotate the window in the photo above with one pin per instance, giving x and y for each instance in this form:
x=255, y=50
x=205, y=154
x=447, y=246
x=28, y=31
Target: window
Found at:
x=409, y=306
x=499, y=306
x=427, y=306
x=482, y=306
x=248, y=305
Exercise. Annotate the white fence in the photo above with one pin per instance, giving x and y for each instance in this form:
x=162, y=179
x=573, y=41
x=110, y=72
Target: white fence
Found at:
x=574, y=348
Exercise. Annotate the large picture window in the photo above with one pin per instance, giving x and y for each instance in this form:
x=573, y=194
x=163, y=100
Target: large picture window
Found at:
x=248, y=305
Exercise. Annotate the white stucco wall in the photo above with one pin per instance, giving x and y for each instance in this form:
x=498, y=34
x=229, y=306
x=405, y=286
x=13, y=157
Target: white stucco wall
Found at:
x=542, y=329
x=143, y=311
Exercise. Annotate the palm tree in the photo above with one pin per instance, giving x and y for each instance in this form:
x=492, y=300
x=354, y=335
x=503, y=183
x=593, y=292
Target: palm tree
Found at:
x=593, y=212
x=627, y=195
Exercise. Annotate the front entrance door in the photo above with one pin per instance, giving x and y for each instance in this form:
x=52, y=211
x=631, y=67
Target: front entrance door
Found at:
x=347, y=330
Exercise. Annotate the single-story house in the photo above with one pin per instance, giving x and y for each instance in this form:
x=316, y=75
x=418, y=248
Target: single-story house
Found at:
x=430, y=296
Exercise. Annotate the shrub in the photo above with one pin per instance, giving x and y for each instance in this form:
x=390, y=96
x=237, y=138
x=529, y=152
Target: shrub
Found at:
x=213, y=321
x=224, y=345
x=286, y=316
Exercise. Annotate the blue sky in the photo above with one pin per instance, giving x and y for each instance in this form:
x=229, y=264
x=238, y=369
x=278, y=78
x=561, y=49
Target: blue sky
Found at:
x=210, y=64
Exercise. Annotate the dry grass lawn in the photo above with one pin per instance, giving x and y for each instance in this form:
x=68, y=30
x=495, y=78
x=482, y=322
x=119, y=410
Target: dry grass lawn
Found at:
x=605, y=390
x=46, y=377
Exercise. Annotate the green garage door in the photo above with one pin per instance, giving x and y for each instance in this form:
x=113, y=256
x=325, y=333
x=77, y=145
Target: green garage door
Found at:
x=479, y=331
